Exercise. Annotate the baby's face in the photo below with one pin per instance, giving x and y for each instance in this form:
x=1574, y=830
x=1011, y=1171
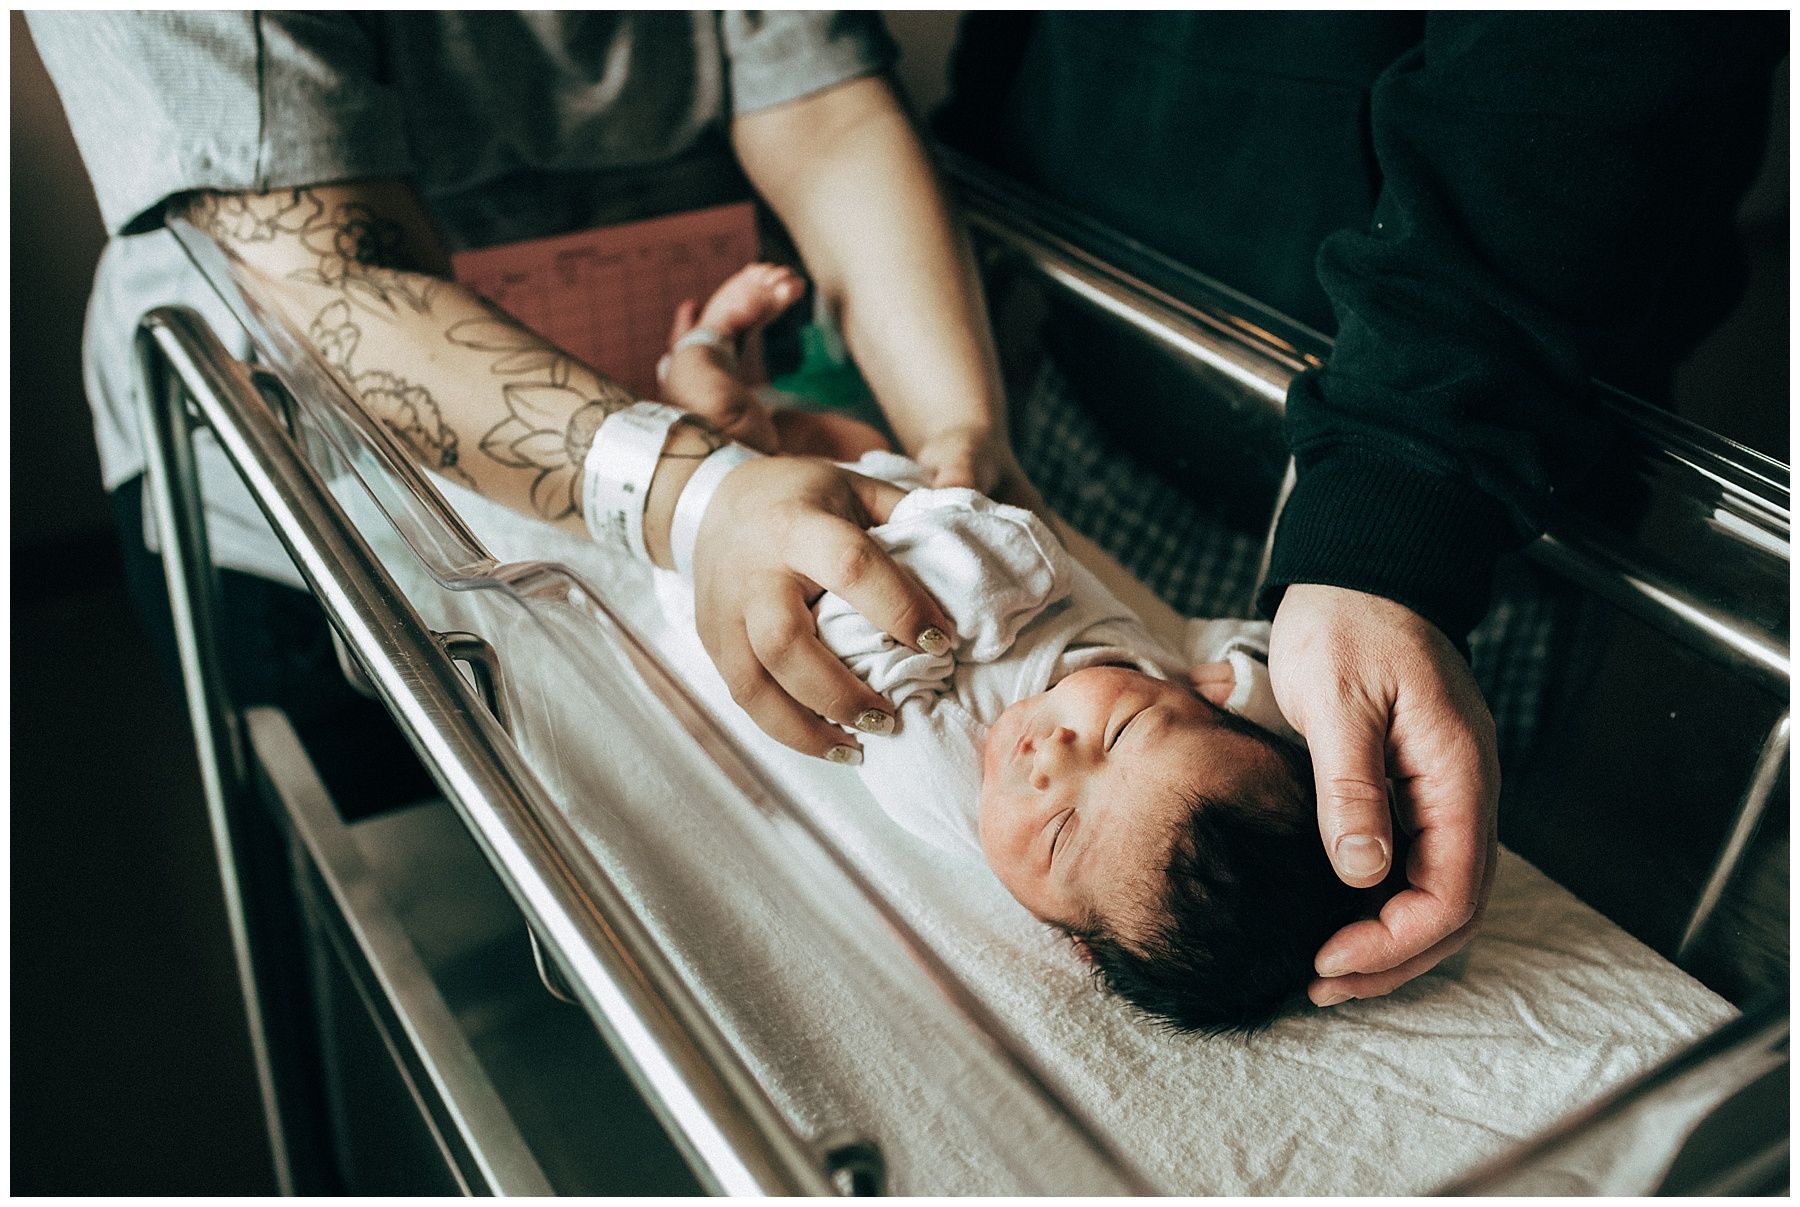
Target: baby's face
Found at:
x=1082, y=785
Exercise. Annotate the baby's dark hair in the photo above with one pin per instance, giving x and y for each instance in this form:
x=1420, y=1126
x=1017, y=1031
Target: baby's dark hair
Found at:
x=1246, y=900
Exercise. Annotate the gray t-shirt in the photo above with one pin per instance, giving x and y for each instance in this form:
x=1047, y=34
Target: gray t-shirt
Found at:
x=512, y=125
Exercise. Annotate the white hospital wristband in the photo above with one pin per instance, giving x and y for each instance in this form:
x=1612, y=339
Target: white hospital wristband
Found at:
x=705, y=337
x=690, y=508
x=616, y=476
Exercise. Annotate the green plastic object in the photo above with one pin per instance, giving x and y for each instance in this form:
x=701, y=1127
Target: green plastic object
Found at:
x=826, y=376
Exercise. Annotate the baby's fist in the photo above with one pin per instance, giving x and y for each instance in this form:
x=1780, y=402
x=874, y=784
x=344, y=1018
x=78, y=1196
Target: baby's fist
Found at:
x=1214, y=681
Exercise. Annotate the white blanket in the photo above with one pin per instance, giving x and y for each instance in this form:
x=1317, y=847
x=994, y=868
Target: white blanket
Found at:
x=1551, y=1006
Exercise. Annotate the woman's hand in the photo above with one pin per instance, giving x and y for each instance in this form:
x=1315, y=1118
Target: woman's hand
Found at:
x=781, y=532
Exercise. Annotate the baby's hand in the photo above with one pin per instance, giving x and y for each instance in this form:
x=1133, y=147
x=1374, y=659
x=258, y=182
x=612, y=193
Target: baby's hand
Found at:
x=1214, y=681
x=715, y=358
x=715, y=362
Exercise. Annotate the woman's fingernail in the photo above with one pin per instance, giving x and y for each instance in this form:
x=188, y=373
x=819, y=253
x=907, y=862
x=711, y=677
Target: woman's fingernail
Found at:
x=1362, y=855
x=933, y=642
x=873, y=720
x=847, y=756
x=1334, y=999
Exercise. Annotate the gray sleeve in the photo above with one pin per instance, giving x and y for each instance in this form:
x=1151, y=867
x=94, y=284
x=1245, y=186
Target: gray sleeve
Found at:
x=164, y=102
x=774, y=57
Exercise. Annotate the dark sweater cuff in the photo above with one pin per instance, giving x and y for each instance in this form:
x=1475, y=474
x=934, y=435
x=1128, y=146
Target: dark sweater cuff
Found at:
x=1384, y=527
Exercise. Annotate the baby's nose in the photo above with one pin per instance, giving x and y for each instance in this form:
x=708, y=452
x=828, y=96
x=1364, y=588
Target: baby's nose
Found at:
x=1054, y=749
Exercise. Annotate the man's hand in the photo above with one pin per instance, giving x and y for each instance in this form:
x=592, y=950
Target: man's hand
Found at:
x=781, y=532
x=1379, y=693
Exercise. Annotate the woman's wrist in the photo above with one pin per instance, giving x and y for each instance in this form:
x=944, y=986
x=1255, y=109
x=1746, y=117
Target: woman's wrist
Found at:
x=691, y=443
x=634, y=473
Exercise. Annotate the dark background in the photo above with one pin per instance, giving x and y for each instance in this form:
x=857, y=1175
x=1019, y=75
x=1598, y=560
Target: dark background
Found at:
x=130, y=1071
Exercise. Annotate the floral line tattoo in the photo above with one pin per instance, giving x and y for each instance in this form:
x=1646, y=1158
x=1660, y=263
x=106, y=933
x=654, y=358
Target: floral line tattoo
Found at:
x=550, y=423
x=406, y=409
x=553, y=405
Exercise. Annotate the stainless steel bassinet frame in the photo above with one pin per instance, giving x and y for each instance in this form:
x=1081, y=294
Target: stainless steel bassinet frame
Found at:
x=1722, y=593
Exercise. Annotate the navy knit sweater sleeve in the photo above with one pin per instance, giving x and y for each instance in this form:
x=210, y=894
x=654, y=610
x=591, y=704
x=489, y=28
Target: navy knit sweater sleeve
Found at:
x=1547, y=183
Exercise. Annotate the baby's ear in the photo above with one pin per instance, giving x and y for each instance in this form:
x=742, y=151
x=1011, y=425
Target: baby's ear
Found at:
x=1082, y=950
x=1214, y=681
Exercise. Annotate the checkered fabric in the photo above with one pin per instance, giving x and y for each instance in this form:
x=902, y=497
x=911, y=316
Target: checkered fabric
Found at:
x=1202, y=567
x=1199, y=565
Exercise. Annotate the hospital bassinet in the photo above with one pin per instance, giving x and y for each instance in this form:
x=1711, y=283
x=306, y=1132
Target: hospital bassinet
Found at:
x=619, y=877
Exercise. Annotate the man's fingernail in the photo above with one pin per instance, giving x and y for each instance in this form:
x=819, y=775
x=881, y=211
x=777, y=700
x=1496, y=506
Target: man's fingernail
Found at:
x=1332, y=966
x=873, y=720
x=933, y=642
x=847, y=756
x=1362, y=855
x=1333, y=999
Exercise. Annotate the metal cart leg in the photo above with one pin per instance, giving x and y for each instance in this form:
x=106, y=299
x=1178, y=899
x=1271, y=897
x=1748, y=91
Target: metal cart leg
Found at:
x=252, y=867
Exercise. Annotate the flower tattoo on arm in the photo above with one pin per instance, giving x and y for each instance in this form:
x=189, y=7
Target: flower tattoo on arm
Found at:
x=550, y=405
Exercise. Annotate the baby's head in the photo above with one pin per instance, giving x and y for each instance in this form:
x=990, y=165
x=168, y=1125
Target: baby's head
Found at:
x=1177, y=841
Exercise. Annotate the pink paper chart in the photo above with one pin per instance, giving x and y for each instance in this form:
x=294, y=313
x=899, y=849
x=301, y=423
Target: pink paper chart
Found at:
x=608, y=295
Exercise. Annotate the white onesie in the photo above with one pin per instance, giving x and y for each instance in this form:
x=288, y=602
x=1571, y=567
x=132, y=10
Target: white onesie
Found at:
x=1026, y=615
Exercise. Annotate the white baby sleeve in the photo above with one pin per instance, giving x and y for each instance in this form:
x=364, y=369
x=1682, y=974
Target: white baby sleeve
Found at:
x=992, y=567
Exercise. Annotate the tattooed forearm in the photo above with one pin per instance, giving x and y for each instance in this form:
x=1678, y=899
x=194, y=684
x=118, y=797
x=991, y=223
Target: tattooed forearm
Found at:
x=553, y=407
x=352, y=249
x=420, y=351
x=710, y=441
x=407, y=409
x=254, y=217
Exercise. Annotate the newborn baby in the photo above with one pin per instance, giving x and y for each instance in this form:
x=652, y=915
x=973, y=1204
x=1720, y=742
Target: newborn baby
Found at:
x=1159, y=812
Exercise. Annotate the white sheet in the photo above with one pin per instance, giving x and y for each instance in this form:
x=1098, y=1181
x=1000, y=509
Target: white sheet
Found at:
x=1548, y=1008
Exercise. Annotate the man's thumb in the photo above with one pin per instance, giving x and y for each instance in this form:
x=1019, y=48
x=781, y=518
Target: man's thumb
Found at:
x=1351, y=777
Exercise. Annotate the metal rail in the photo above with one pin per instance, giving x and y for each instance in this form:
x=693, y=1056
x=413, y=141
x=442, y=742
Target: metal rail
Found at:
x=466, y=1119
x=1677, y=1093
x=174, y=499
x=453, y=556
x=1771, y=767
x=733, y=1136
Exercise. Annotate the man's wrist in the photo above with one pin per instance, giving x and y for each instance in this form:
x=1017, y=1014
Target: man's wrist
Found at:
x=1373, y=524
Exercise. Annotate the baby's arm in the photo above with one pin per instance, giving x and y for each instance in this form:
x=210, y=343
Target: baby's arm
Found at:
x=713, y=369
x=1233, y=670
x=991, y=567
x=1214, y=681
